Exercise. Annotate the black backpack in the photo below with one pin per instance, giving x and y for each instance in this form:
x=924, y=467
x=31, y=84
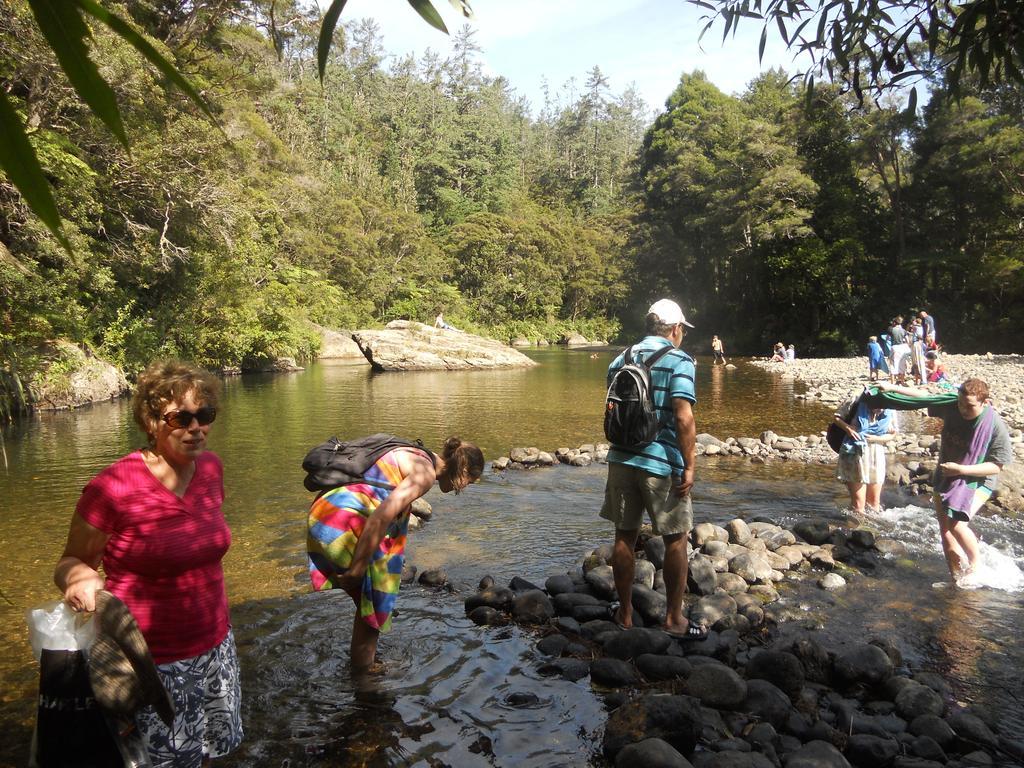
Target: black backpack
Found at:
x=630, y=416
x=337, y=462
x=834, y=434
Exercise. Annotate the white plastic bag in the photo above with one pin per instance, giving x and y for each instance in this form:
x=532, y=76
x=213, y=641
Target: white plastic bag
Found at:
x=55, y=627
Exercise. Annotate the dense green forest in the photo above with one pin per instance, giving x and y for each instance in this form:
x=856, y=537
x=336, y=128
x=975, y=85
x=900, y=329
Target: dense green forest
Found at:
x=399, y=188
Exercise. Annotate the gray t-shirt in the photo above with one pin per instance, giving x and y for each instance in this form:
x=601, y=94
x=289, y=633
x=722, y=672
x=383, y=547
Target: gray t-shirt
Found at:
x=898, y=333
x=956, y=439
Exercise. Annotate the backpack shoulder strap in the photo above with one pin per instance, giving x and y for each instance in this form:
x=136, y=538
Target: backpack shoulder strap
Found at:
x=649, y=362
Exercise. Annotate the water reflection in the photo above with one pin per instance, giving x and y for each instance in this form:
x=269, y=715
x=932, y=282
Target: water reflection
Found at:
x=445, y=696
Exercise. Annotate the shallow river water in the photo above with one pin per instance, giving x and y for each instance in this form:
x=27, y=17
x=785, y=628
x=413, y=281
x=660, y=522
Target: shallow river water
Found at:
x=449, y=693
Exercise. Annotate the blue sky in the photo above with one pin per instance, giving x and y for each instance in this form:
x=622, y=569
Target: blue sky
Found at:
x=646, y=42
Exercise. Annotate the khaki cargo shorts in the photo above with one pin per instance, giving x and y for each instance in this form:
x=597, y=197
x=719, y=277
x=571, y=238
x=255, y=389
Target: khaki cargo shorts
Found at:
x=631, y=491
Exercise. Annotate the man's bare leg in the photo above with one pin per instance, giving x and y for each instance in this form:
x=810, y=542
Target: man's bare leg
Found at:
x=676, y=570
x=624, y=570
x=956, y=560
x=967, y=540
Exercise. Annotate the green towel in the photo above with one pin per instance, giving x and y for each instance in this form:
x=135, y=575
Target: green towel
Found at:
x=877, y=399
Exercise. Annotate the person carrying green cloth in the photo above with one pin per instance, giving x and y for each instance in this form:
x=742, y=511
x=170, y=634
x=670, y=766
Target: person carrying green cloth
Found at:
x=975, y=446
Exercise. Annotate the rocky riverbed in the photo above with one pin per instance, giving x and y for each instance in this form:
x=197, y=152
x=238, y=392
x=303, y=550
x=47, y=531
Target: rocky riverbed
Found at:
x=744, y=697
x=832, y=380
x=912, y=459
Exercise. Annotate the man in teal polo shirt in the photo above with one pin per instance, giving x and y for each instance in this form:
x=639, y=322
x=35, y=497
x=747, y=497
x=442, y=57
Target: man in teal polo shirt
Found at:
x=657, y=478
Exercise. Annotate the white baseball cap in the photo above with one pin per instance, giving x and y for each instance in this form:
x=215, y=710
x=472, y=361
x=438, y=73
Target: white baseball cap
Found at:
x=668, y=313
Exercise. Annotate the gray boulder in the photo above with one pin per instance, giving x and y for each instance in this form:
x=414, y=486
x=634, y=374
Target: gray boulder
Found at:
x=731, y=759
x=338, y=345
x=935, y=728
x=739, y=532
x=585, y=613
x=651, y=753
x=916, y=699
x=862, y=663
x=650, y=605
x=929, y=749
x=657, y=667
x=702, y=579
x=781, y=669
x=831, y=582
x=602, y=581
x=498, y=598
x=764, y=592
x=775, y=539
x=532, y=607
x=421, y=508
x=567, y=624
x=613, y=673
x=654, y=548
x=435, y=577
x=567, y=669
x=486, y=616
x=716, y=685
x=704, y=532
x=768, y=703
x=972, y=730
x=566, y=602
x=559, y=584
x=862, y=538
x=815, y=754
x=674, y=719
x=751, y=567
x=710, y=608
x=69, y=377
x=553, y=645
x=871, y=751
x=593, y=629
x=812, y=531
x=732, y=583
x=409, y=346
x=635, y=641
x=643, y=573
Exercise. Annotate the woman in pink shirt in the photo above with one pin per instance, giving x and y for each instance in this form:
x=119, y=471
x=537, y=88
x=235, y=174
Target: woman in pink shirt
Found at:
x=153, y=520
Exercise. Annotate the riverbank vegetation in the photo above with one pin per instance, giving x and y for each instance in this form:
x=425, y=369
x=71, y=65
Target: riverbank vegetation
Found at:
x=400, y=188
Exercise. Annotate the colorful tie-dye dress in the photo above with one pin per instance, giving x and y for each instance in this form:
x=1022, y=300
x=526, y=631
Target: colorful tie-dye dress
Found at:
x=335, y=523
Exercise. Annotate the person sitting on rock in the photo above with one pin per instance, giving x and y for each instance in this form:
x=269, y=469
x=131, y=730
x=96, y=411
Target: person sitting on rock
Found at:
x=936, y=372
x=779, y=353
x=439, y=322
x=975, y=446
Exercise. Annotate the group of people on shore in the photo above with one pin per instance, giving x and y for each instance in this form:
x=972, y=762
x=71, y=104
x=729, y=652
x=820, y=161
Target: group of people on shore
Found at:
x=153, y=522
x=783, y=354
x=907, y=350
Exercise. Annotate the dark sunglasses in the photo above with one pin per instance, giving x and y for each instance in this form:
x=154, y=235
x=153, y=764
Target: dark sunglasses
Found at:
x=183, y=419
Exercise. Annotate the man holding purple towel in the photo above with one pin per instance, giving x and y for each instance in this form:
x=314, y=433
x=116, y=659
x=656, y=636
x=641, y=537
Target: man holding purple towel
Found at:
x=975, y=447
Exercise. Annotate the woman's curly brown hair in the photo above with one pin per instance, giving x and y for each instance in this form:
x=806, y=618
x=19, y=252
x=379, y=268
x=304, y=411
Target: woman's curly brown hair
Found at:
x=168, y=381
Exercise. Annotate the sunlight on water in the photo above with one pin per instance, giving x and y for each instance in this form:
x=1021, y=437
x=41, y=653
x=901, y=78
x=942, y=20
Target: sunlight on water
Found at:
x=999, y=564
